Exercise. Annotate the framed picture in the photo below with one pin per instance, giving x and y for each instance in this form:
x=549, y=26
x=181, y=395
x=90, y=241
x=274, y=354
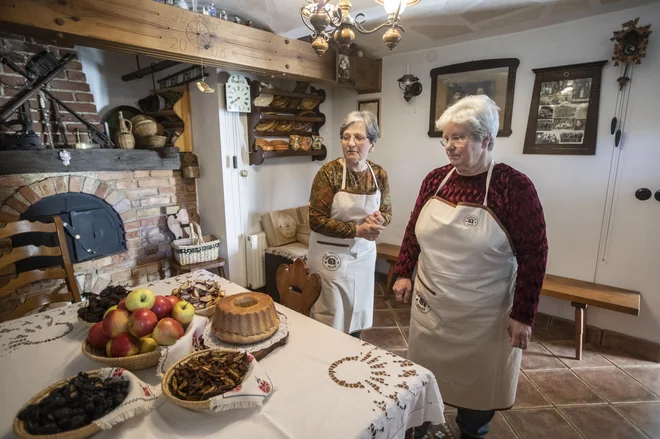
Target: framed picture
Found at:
x=564, y=114
x=372, y=105
x=495, y=78
x=345, y=69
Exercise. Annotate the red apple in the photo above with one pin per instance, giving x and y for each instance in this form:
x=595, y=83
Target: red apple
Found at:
x=173, y=299
x=161, y=307
x=183, y=312
x=167, y=331
x=96, y=337
x=124, y=345
x=115, y=323
x=122, y=304
x=142, y=322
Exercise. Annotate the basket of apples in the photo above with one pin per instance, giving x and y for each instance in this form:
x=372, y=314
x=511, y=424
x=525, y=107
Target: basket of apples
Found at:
x=131, y=333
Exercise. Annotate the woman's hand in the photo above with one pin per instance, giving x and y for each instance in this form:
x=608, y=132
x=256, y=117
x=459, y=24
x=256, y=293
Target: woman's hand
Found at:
x=402, y=289
x=370, y=232
x=519, y=332
x=376, y=218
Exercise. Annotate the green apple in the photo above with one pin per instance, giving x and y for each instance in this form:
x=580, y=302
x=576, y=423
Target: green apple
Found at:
x=112, y=308
x=183, y=312
x=141, y=298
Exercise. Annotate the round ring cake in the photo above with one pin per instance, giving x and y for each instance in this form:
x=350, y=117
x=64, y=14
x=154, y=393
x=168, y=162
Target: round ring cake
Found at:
x=245, y=318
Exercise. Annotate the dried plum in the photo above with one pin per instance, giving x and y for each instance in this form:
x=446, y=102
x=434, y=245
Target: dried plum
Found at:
x=74, y=405
x=97, y=304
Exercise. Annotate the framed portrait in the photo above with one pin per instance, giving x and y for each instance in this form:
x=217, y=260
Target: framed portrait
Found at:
x=345, y=69
x=495, y=78
x=563, y=117
x=372, y=105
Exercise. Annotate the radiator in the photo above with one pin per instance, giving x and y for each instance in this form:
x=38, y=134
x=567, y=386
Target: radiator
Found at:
x=255, y=253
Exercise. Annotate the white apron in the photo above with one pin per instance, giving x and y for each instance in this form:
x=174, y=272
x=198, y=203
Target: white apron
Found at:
x=346, y=266
x=462, y=298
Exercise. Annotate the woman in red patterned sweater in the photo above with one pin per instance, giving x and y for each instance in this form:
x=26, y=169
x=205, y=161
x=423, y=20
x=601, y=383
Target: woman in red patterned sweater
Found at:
x=477, y=239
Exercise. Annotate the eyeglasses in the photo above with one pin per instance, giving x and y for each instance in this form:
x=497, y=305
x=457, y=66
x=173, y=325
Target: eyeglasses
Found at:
x=454, y=140
x=358, y=138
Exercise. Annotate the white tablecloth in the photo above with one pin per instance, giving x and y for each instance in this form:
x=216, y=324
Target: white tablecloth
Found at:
x=327, y=384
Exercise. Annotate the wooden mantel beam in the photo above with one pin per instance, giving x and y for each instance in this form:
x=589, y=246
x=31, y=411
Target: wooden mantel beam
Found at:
x=150, y=28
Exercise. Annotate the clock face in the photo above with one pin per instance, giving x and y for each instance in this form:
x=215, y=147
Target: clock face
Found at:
x=630, y=49
x=237, y=93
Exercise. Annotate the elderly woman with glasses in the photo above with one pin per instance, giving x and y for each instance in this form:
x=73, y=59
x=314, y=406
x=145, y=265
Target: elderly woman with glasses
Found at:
x=477, y=238
x=349, y=207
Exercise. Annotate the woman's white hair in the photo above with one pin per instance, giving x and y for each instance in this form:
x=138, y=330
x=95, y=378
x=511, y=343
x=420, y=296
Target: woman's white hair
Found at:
x=367, y=118
x=478, y=113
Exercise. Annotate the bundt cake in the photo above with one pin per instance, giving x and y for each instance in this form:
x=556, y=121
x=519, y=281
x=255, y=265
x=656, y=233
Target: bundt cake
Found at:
x=245, y=318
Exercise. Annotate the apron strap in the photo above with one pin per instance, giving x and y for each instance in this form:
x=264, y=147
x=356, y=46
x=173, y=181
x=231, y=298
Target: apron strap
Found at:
x=490, y=173
x=343, y=176
x=444, y=181
x=373, y=174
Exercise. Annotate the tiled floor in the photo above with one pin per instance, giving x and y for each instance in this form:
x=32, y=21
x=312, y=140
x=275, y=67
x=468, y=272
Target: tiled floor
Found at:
x=606, y=395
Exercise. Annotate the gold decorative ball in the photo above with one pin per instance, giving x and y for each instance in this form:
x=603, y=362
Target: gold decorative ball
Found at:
x=320, y=45
x=392, y=37
x=319, y=21
x=344, y=36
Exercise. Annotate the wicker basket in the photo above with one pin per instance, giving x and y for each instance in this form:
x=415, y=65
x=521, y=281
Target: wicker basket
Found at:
x=145, y=128
x=134, y=362
x=206, y=312
x=199, y=406
x=86, y=323
x=152, y=141
x=197, y=248
x=86, y=431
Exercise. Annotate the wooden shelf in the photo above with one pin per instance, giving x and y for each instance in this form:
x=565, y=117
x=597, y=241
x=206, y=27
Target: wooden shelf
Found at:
x=291, y=94
x=258, y=156
x=280, y=110
x=286, y=133
x=263, y=116
x=161, y=113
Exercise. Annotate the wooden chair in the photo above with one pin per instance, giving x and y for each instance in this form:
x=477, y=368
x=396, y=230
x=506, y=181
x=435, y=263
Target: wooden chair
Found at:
x=64, y=271
x=298, y=289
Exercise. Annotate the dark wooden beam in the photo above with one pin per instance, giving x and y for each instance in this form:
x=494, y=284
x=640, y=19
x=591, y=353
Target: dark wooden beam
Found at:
x=28, y=162
x=154, y=68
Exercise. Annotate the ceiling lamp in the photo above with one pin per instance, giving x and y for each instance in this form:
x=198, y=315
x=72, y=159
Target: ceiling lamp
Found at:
x=327, y=21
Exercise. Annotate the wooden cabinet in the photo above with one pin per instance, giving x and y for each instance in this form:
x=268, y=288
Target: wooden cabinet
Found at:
x=289, y=114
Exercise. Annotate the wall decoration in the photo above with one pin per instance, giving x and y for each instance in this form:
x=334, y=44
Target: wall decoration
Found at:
x=372, y=105
x=345, y=69
x=495, y=78
x=629, y=49
x=563, y=116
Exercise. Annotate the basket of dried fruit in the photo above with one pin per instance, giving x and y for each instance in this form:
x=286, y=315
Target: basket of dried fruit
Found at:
x=202, y=294
x=197, y=378
x=68, y=408
x=97, y=304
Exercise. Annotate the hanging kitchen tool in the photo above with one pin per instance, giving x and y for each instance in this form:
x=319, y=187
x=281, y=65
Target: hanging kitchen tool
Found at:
x=97, y=135
x=45, y=112
x=25, y=137
x=629, y=49
x=201, y=84
x=61, y=130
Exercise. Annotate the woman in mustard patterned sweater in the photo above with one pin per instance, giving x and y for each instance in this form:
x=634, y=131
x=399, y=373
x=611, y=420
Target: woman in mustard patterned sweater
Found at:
x=349, y=207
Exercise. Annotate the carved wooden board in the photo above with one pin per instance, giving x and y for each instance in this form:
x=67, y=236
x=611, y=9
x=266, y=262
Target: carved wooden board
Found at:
x=167, y=32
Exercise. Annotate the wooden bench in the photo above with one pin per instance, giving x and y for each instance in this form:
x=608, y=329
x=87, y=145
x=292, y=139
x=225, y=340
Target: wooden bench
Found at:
x=582, y=294
x=390, y=253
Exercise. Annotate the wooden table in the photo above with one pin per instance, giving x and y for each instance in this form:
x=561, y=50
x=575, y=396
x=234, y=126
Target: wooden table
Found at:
x=581, y=294
x=390, y=253
x=218, y=264
x=326, y=384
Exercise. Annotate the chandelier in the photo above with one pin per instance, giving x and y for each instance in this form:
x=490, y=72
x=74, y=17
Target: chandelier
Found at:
x=327, y=21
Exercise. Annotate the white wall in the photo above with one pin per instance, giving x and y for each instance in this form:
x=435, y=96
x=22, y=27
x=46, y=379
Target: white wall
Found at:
x=104, y=70
x=572, y=188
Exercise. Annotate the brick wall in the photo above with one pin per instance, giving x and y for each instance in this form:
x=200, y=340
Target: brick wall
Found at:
x=140, y=197
x=70, y=87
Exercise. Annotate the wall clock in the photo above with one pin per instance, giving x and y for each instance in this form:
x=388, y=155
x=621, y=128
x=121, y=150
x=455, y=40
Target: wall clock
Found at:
x=237, y=94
